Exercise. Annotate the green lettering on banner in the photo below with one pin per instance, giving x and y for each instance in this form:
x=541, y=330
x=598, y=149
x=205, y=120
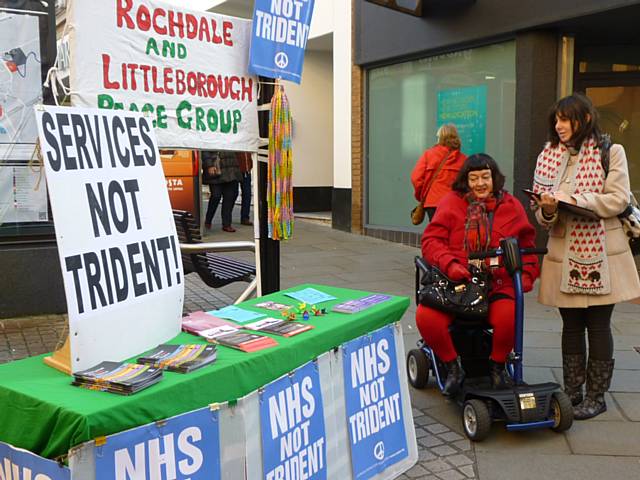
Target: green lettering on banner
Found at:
x=182, y=123
x=152, y=45
x=161, y=112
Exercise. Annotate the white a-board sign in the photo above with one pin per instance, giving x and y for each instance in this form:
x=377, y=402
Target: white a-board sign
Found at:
x=187, y=69
x=119, y=253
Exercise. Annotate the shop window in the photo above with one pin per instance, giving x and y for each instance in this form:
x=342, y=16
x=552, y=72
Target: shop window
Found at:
x=407, y=102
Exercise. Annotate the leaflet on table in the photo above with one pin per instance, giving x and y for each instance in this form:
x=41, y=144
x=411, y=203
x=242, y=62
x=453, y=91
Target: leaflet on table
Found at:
x=197, y=321
x=276, y=326
x=359, y=304
x=118, y=377
x=310, y=295
x=236, y=314
x=234, y=338
x=278, y=307
x=180, y=358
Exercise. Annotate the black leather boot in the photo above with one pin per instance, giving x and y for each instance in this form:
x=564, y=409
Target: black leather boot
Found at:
x=455, y=377
x=599, y=373
x=574, y=373
x=500, y=379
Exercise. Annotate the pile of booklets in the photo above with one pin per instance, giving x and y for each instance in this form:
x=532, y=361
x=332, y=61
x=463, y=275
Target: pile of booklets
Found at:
x=359, y=304
x=275, y=326
x=231, y=336
x=118, y=377
x=180, y=358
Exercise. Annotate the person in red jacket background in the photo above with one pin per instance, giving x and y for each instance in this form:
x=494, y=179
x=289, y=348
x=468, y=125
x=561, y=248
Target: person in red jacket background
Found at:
x=472, y=218
x=437, y=169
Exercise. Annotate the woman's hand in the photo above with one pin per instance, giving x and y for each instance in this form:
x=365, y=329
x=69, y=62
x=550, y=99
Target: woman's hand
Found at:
x=564, y=197
x=458, y=272
x=548, y=202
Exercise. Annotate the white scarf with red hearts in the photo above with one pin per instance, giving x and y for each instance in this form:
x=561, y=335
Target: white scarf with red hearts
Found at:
x=585, y=268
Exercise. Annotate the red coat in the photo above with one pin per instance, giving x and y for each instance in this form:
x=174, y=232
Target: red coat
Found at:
x=443, y=239
x=426, y=167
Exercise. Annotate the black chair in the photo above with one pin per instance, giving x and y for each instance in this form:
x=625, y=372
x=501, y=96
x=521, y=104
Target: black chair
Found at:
x=204, y=258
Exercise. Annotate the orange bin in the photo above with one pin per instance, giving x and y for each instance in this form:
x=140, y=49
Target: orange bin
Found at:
x=181, y=169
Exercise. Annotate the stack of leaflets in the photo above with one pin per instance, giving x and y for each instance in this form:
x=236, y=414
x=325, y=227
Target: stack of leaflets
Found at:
x=278, y=307
x=198, y=321
x=180, y=358
x=118, y=377
x=284, y=328
x=359, y=304
x=232, y=337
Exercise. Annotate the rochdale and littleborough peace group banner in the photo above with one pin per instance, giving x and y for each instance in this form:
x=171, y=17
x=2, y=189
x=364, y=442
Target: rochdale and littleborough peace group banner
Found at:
x=187, y=69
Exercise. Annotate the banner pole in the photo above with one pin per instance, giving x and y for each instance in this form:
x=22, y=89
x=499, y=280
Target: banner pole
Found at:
x=256, y=220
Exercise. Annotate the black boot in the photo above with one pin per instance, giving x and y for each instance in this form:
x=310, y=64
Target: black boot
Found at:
x=500, y=379
x=574, y=373
x=599, y=373
x=455, y=377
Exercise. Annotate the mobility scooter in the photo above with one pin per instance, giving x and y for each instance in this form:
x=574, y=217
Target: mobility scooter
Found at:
x=521, y=406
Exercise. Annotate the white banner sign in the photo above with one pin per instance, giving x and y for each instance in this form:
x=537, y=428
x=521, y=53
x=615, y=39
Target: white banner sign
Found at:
x=187, y=68
x=117, y=241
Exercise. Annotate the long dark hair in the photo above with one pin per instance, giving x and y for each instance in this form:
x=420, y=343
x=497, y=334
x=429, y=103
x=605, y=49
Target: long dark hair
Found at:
x=479, y=161
x=584, y=118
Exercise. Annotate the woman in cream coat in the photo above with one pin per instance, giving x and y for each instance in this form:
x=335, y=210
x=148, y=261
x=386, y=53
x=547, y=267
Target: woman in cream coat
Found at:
x=589, y=267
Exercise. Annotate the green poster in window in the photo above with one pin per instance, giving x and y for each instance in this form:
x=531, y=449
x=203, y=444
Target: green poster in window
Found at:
x=466, y=108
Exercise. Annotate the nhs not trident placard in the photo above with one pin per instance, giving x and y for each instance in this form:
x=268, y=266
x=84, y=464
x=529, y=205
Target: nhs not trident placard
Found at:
x=117, y=242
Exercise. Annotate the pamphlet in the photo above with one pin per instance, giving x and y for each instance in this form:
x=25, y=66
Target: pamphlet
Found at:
x=197, y=321
x=234, y=338
x=310, y=296
x=278, y=307
x=277, y=326
x=568, y=207
x=236, y=314
x=117, y=377
x=180, y=358
x=359, y=304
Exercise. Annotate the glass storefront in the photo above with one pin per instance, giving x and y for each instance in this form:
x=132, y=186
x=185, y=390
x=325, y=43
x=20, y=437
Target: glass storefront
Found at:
x=407, y=102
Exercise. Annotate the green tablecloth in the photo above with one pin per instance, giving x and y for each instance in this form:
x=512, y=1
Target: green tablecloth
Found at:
x=41, y=412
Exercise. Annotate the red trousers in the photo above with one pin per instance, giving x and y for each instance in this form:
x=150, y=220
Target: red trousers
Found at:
x=434, y=328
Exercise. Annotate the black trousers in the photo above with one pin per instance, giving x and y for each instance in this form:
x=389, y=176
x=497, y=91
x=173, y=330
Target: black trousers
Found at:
x=228, y=191
x=596, y=321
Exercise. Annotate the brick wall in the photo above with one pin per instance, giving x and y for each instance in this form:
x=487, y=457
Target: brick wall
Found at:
x=357, y=136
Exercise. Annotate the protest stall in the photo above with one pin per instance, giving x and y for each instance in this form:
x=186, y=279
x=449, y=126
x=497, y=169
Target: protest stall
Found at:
x=359, y=362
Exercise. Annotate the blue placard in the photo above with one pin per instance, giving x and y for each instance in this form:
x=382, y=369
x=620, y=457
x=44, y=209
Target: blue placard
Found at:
x=279, y=37
x=236, y=314
x=16, y=463
x=181, y=448
x=373, y=403
x=292, y=427
x=466, y=108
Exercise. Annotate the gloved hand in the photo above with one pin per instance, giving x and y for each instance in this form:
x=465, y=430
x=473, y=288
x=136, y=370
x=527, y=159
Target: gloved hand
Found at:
x=527, y=283
x=458, y=272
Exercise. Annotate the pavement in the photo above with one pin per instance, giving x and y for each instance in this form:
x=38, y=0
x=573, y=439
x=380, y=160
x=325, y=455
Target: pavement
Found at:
x=605, y=447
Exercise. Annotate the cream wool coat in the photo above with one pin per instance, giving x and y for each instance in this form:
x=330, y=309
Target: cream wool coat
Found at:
x=625, y=284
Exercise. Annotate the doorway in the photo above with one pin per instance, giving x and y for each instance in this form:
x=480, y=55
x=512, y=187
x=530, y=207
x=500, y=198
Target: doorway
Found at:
x=610, y=77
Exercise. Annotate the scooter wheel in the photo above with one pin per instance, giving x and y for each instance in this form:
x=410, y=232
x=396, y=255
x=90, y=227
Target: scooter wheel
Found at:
x=561, y=412
x=418, y=368
x=476, y=420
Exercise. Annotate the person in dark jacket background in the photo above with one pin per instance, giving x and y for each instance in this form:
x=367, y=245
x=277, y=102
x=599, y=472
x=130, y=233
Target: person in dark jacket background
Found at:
x=471, y=218
x=222, y=173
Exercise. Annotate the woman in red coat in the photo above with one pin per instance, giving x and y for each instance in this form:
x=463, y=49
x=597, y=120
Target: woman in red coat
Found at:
x=471, y=218
x=437, y=169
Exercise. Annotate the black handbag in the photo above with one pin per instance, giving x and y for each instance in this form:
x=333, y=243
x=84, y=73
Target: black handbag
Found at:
x=469, y=299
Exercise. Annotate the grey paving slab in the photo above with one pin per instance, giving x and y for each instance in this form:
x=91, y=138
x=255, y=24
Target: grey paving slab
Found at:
x=535, y=466
x=605, y=438
x=629, y=405
x=531, y=441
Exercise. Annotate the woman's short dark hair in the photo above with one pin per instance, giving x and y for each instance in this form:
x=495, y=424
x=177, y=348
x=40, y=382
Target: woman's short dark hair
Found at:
x=579, y=110
x=478, y=161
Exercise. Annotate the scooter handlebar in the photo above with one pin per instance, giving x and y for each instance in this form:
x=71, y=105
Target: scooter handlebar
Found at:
x=496, y=252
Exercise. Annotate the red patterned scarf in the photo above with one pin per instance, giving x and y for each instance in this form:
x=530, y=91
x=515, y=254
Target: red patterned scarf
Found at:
x=585, y=269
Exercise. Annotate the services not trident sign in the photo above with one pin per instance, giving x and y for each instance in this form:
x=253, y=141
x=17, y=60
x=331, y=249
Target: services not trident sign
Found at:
x=119, y=253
